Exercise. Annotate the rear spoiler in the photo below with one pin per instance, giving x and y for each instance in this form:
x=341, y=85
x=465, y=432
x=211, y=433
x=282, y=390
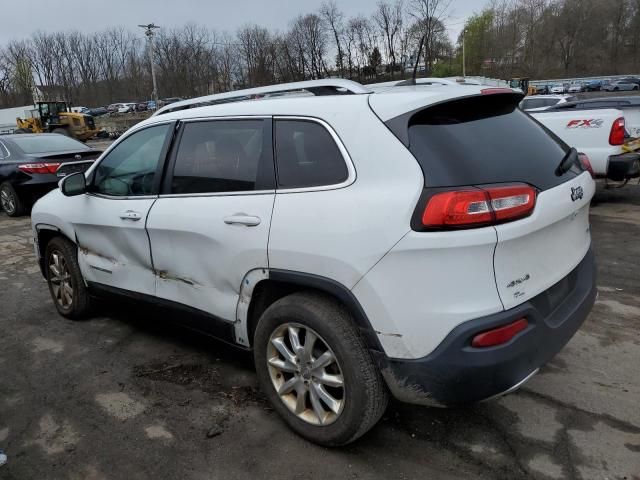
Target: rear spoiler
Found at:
x=399, y=125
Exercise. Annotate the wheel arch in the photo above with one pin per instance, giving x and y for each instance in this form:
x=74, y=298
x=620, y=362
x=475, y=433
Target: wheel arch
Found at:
x=44, y=234
x=263, y=287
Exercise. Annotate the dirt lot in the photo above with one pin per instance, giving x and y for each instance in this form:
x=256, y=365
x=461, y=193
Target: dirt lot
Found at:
x=127, y=395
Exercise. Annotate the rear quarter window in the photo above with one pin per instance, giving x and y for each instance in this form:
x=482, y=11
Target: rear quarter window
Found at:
x=483, y=140
x=307, y=155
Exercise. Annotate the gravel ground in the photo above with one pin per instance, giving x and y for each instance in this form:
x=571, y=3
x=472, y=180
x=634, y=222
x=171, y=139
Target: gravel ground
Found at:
x=128, y=395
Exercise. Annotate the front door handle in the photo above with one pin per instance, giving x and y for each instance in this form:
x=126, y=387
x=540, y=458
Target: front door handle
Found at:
x=242, y=219
x=131, y=215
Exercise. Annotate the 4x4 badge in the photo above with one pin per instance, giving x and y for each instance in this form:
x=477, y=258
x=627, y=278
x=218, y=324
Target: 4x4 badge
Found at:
x=576, y=193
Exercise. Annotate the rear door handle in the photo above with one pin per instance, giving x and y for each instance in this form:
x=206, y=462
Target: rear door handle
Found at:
x=131, y=215
x=242, y=219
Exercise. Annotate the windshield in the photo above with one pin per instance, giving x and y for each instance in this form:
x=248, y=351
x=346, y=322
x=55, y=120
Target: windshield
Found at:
x=47, y=143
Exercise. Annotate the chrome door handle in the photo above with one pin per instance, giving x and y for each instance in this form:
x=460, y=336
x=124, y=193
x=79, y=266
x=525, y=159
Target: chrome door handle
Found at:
x=242, y=219
x=131, y=215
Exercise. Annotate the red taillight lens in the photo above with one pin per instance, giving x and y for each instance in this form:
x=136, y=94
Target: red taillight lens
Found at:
x=616, y=137
x=586, y=164
x=478, y=207
x=39, y=167
x=457, y=208
x=500, y=335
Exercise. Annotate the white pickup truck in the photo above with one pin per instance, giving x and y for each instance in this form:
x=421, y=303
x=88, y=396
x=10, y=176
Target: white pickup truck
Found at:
x=604, y=129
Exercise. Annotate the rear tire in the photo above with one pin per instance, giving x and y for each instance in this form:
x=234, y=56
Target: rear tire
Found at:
x=10, y=202
x=357, y=391
x=66, y=285
x=61, y=131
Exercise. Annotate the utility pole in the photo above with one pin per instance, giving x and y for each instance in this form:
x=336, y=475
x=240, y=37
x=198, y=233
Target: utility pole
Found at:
x=464, y=66
x=149, y=32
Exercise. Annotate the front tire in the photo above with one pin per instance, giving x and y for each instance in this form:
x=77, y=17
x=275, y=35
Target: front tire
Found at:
x=66, y=285
x=316, y=370
x=10, y=202
x=61, y=131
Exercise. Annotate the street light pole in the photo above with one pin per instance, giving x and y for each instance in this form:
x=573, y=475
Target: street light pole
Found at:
x=149, y=32
x=464, y=66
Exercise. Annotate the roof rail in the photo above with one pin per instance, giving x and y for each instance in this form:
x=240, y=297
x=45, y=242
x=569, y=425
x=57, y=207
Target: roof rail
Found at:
x=329, y=86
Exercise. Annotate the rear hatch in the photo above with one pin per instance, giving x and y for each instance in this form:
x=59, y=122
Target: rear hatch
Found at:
x=485, y=141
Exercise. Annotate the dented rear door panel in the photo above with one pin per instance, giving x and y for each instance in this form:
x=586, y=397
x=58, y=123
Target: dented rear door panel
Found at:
x=199, y=256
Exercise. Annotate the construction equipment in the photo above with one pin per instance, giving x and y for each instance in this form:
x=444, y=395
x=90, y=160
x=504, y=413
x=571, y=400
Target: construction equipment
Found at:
x=56, y=117
x=523, y=84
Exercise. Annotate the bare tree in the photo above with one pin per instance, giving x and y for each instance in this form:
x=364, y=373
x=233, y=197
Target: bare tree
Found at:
x=430, y=16
x=389, y=18
x=334, y=19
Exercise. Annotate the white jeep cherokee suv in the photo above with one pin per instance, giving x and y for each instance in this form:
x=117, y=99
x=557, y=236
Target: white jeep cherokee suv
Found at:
x=428, y=241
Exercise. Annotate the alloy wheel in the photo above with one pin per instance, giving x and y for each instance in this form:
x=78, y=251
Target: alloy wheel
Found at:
x=306, y=374
x=7, y=200
x=60, y=278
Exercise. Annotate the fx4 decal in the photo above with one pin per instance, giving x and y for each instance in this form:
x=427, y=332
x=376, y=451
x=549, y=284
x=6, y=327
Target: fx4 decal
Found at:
x=586, y=123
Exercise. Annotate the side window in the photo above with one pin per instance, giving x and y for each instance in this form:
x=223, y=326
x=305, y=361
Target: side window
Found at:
x=224, y=156
x=130, y=168
x=4, y=153
x=307, y=155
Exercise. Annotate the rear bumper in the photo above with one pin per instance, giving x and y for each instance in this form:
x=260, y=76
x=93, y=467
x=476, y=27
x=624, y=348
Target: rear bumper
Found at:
x=623, y=167
x=455, y=373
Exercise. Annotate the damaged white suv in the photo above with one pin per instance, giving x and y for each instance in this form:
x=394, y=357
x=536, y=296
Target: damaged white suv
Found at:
x=431, y=242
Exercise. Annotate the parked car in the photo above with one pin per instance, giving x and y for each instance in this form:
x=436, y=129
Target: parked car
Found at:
x=633, y=80
x=32, y=164
x=114, y=107
x=600, y=133
x=168, y=101
x=576, y=87
x=542, y=102
x=151, y=105
x=558, y=88
x=98, y=111
x=621, y=85
x=141, y=107
x=593, y=86
x=543, y=89
x=127, y=107
x=629, y=105
x=437, y=293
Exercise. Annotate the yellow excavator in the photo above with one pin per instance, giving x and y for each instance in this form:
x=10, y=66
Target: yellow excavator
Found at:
x=56, y=117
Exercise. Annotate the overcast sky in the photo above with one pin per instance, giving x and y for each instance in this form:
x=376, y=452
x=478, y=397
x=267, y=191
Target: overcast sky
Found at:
x=20, y=19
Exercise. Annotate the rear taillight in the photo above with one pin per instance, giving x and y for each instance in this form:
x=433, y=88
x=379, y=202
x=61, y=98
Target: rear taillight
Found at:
x=39, y=167
x=500, y=335
x=476, y=207
x=585, y=163
x=616, y=137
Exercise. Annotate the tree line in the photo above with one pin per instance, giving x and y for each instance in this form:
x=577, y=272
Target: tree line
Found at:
x=554, y=39
x=398, y=38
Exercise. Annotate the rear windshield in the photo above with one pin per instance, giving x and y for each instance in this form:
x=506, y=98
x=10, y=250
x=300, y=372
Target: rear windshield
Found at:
x=48, y=144
x=485, y=139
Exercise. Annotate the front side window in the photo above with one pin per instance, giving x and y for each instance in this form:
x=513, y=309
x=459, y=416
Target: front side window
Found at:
x=307, y=155
x=130, y=168
x=224, y=156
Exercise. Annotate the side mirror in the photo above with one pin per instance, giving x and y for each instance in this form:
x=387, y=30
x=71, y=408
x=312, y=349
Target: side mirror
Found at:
x=74, y=184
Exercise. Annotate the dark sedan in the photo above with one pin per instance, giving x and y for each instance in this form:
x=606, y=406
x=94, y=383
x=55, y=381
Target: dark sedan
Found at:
x=32, y=164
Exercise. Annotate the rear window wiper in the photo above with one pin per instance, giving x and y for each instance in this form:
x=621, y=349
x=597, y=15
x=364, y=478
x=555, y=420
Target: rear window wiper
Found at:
x=567, y=161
